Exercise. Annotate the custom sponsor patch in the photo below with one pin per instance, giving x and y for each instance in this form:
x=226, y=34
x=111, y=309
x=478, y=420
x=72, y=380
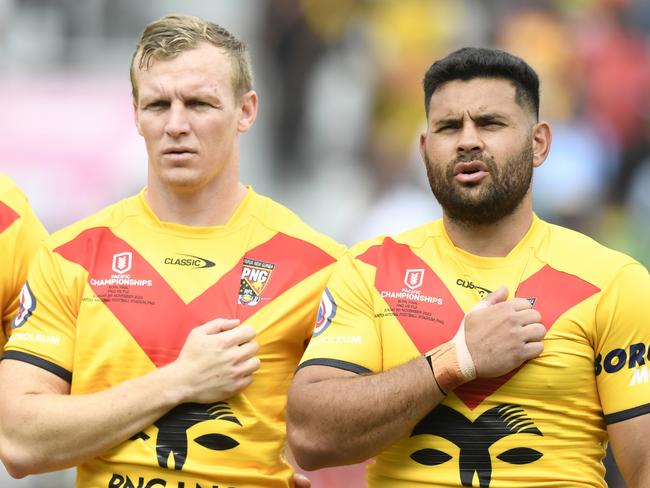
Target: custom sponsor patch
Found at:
x=255, y=275
x=326, y=312
x=27, y=306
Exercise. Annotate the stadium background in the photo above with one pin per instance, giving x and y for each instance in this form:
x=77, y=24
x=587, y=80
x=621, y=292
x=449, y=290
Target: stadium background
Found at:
x=341, y=108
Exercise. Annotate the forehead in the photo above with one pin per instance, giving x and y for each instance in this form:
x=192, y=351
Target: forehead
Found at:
x=475, y=96
x=204, y=66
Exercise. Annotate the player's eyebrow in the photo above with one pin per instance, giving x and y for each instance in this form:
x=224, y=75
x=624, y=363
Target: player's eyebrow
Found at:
x=449, y=121
x=488, y=117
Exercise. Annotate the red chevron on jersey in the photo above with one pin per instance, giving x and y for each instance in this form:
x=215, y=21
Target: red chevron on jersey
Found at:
x=415, y=294
x=117, y=272
x=283, y=252
x=7, y=216
x=554, y=293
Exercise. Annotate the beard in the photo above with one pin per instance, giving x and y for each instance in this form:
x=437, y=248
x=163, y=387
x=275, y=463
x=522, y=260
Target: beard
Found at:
x=498, y=197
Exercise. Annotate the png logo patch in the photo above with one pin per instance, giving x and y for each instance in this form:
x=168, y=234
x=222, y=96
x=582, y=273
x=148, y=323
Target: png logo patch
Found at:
x=27, y=306
x=326, y=312
x=255, y=275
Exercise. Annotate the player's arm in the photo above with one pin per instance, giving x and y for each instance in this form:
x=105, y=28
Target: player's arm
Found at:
x=43, y=427
x=337, y=417
x=18, y=245
x=622, y=320
x=630, y=446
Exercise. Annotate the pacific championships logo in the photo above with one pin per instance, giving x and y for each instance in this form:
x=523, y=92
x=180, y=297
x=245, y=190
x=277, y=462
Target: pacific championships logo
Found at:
x=413, y=279
x=121, y=264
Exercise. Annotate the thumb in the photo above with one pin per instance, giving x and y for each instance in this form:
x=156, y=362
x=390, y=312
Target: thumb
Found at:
x=301, y=481
x=497, y=296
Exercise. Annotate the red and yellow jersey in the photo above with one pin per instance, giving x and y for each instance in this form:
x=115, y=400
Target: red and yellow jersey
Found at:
x=115, y=295
x=544, y=424
x=20, y=235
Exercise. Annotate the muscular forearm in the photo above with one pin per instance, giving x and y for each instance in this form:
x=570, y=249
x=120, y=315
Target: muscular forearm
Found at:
x=348, y=419
x=47, y=431
x=43, y=427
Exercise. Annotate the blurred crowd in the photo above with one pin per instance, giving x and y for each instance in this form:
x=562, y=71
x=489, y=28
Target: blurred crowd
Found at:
x=341, y=106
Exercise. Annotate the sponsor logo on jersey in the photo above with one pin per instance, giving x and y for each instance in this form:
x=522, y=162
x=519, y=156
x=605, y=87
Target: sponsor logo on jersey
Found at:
x=255, y=275
x=475, y=440
x=413, y=278
x=326, y=312
x=189, y=261
x=639, y=376
x=126, y=481
x=174, y=432
x=631, y=359
x=31, y=337
x=482, y=291
x=344, y=339
x=27, y=306
x=122, y=262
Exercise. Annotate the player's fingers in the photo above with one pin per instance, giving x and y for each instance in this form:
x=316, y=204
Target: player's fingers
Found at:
x=533, y=332
x=249, y=366
x=219, y=325
x=532, y=350
x=528, y=316
x=247, y=350
x=520, y=304
x=238, y=335
x=301, y=481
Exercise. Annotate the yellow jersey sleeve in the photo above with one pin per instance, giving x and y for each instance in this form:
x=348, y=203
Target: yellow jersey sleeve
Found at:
x=345, y=335
x=44, y=327
x=20, y=235
x=623, y=345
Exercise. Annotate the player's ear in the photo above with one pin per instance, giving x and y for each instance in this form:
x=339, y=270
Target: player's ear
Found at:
x=542, y=136
x=422, y=145
x=248, y=107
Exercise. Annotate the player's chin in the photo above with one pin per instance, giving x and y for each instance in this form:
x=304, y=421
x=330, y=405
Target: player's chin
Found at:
x=183, y=179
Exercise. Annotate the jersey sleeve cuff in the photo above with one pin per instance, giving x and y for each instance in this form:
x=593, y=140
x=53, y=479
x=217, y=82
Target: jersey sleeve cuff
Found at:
x=630, y=413
x=62, y=373
x=335, y=363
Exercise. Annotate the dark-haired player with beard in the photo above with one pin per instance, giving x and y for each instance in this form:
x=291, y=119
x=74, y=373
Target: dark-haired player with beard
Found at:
x=488, y=348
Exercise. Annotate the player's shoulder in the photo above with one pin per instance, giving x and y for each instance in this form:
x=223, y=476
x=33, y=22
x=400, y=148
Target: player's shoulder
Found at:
x=279, y=218
x=108, y=217
x=576, y=253
x=414, y=238
x=11, y=195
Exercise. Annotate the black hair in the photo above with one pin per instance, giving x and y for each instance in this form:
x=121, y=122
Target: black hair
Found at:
x=477, y=62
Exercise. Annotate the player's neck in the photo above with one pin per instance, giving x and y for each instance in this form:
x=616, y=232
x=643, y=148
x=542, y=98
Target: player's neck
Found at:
x=491, y=240
x=210, y=206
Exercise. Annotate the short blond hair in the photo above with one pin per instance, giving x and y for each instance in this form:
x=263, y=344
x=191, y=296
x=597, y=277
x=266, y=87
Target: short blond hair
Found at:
x=173, y=34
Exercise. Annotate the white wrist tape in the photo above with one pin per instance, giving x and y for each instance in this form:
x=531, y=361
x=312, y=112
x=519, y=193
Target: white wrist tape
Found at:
x=451, y=362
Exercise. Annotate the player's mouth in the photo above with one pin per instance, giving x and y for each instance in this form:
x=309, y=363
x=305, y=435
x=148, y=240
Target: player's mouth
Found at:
x=178, y=152
x=470, y=172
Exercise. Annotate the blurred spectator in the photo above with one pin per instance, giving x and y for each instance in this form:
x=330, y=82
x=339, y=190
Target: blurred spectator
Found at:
x=580, y=152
